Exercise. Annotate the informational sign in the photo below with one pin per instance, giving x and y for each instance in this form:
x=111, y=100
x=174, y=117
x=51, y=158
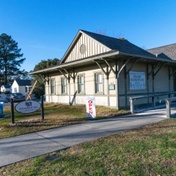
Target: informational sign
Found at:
x=26, y=107
x=90, y=107
x=137, y=80
x=111, y=86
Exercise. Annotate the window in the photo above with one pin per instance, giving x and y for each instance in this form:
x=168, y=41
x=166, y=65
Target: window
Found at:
x=27, y=89
x=52, y=86
x=98, y=83
x=81, y=84
x=15, y=90
x=63, y=85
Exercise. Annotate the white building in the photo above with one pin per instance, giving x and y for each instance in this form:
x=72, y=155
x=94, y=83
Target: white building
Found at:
x=21, y=86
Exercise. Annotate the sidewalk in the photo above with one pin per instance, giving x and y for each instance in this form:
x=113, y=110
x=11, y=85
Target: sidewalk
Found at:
x=27, y=146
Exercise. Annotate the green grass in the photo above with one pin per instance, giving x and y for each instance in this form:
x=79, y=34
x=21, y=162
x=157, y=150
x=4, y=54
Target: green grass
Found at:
x=147, y=151
x=56, y=115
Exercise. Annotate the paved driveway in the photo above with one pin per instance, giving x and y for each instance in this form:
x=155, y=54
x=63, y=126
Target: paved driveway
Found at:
x=31, y=145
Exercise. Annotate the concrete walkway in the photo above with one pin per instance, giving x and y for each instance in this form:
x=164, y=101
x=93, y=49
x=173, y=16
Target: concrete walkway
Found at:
x=22, y=147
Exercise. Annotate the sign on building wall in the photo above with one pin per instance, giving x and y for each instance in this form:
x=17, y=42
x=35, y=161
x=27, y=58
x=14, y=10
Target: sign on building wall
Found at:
x=90, y=107
x=137, y=80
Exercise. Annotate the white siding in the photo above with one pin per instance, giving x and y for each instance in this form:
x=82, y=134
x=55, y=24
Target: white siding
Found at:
x=92, y=48
x=15, y=87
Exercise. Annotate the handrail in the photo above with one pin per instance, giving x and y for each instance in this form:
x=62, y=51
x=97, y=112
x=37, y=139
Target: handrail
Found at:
x=132, y=99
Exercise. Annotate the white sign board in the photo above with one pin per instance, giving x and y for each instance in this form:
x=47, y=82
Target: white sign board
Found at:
x=90, y=107
x=27, y=106
x=137, y=80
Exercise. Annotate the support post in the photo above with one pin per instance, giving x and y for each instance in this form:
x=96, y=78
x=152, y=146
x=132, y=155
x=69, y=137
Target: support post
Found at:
x=168, y=110
x=12, y=111
x=153, y=101
x=117, y=93
x=132, y=105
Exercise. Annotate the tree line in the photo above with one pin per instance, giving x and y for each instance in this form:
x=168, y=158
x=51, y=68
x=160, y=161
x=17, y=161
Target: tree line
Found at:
x=11, y=59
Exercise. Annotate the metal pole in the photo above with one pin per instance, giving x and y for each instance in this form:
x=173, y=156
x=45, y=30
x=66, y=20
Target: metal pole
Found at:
x=42, y=108
x=12, y=111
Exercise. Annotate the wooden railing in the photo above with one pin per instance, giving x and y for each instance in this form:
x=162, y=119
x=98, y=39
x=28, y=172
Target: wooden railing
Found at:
x=152, y=97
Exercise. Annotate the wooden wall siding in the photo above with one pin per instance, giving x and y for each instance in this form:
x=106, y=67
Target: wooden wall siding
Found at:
x=171, y=84
x=113, y=101
x=112, y=80
x=92, y=48
x=161, y=84
x=80, y=99
x=150, y=83
x=101, y=100
x=162, y=80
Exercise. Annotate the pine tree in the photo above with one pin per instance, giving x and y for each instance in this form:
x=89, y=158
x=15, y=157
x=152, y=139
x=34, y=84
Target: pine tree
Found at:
x=10, y=58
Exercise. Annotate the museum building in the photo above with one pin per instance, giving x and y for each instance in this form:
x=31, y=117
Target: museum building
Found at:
x=111, y=70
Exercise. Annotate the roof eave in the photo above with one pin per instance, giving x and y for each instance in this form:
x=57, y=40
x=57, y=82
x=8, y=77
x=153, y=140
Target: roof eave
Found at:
x=91, y=59
x=67, y=64
x=149, y=58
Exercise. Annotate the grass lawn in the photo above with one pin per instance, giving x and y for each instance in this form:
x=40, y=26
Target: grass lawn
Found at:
x=147, y=151
x=56, y=115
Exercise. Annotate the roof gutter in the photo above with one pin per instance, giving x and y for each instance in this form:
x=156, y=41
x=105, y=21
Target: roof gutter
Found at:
x=91, y=59
x=84, y=60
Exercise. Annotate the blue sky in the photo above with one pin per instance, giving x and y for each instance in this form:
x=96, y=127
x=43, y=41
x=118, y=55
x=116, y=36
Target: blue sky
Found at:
x=44, y=29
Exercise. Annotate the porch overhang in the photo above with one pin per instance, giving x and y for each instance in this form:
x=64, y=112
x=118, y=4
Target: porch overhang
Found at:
x=112, y=55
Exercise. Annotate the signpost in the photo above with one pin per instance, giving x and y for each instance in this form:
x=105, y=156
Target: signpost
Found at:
x=90, y=107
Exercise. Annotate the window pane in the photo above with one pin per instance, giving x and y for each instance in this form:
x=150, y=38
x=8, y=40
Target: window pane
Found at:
x=99, y=78
x=80, y=84
x=63, y=85
x=52, y=86
x=98, y=83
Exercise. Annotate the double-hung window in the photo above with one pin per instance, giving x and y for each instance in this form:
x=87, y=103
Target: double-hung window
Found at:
x=53, y=86
x=63, y=85
x=98, y=83
x=81, y=83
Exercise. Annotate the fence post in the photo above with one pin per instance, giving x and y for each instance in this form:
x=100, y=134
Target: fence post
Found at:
x=42, y=107
x=153, y=101
x=12, y=111
x=168, y=110
x=132, y=105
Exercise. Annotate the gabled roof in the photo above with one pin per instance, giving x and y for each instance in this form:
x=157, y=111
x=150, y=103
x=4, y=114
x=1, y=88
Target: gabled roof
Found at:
x=166, y=52
x=7, y=86
x=22, y=82
x=123, y=46
x=117, y=48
